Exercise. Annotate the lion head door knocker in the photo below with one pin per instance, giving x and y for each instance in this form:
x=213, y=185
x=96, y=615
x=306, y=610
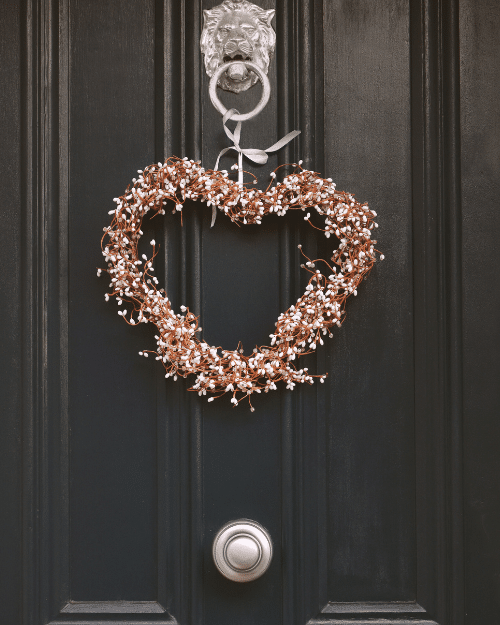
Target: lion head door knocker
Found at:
x=238, y=36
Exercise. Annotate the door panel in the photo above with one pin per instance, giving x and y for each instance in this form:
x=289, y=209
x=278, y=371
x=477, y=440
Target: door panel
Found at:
x=480, y=76
x=11, y=294
x=113, y=425
x=370, y=425
x=124, y=477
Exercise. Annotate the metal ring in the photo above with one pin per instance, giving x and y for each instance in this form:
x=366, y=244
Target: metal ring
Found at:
x=266, y=90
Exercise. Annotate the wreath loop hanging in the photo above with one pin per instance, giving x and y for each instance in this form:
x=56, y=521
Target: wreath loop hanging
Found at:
x=298, y=330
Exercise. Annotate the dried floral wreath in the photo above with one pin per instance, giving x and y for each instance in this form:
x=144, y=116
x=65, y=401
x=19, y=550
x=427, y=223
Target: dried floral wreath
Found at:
x=298, y=330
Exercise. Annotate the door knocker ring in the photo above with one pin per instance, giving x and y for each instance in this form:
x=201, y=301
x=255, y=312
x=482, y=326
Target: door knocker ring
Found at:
x=264, y=99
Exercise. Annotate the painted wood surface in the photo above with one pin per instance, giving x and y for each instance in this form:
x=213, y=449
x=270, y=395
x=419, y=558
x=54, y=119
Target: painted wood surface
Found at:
x=380, y=487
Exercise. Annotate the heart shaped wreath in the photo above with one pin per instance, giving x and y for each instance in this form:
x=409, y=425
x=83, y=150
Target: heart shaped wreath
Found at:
x=298, y=330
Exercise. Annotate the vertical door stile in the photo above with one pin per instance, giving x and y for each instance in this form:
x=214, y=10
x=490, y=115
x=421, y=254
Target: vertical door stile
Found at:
x=168, y=138
x=316, y=413
x=192, y=262
x=45, y=309
x=166, y=440
x=289, y=291
x=30, y=298
x=452, y=199
x=300, y=87
x=45, y=269
x=181, y=136
x=428, y=398
x=438, y=306
x=61, y=522
x=241, y=284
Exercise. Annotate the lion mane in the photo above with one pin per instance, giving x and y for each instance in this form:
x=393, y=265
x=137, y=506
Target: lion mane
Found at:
x=213, y=50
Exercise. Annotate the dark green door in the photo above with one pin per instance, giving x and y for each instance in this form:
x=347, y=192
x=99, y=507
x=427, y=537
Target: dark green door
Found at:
x=379, y=488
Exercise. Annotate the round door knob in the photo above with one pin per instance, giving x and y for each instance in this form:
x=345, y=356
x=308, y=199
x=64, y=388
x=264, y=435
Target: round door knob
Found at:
x=242, y=550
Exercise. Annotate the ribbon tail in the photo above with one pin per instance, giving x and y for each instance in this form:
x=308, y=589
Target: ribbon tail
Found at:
x=214, y=215
x=221, y=153
x=283, y=141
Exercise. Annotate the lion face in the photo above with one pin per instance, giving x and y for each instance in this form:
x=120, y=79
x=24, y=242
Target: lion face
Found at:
x=237, y=31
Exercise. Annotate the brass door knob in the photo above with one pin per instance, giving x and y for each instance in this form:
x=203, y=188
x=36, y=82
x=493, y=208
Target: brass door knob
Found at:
x=242, y=550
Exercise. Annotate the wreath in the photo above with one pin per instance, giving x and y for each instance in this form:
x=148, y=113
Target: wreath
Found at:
x=299, y=329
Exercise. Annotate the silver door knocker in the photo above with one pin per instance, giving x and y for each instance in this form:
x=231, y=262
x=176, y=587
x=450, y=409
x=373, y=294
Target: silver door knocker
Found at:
x=240, y=34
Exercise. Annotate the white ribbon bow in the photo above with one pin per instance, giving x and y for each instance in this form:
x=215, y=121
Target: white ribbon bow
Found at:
x=254, y=154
